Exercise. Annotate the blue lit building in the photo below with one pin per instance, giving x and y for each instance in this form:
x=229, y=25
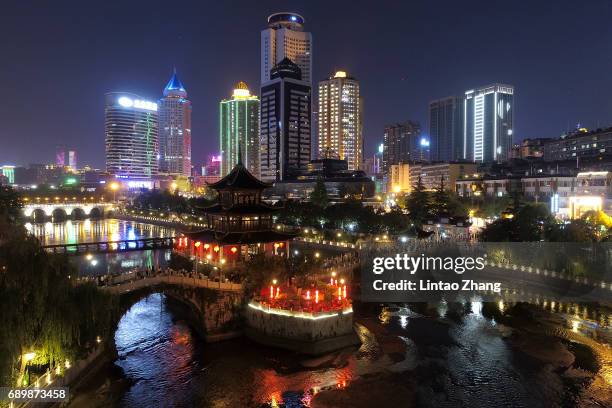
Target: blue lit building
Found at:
x=175, y=129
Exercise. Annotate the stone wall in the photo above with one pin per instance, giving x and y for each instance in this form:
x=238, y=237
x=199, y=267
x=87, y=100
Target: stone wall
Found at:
x=299, y=328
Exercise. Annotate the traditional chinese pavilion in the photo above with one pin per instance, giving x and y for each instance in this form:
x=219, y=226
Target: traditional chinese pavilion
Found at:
x=240, y=224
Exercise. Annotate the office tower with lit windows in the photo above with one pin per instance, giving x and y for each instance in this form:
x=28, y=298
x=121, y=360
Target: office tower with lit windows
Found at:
x=488, y=115
x=131, y=136
x=285, y=38
x=239, y=130
x=174, y=111
x=446, y=129
x=402, y=143
x=340, y=120
x=285, y=118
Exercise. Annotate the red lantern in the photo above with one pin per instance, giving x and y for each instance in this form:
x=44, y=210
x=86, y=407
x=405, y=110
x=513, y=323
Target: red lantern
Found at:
x=197, y=244
x=234, y=250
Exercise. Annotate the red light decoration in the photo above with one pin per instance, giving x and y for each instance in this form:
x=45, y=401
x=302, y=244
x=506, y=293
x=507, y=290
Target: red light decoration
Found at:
x=344, y=291
x=277, y=291
x=271, y=292
x=197, y=244
x=234, y=250
x=317, y=296
x=216, y=248
x=206, y=246
x=307, y=295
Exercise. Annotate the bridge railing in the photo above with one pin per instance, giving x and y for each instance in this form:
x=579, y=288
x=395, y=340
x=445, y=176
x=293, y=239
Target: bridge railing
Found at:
x=132, y=285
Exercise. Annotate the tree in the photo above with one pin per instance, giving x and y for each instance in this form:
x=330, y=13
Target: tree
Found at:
x=418, y=204
x=440, y=201
x=319, y=195
x=525, y=224
x=10, y=204
x=575, y=231
x=44, y=310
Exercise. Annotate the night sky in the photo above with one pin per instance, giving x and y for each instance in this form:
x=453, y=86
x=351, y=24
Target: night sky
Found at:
x=59, y=58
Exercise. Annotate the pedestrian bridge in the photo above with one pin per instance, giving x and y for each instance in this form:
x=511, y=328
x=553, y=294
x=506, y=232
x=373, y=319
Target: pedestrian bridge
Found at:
x=212, y=308
x=60, y=210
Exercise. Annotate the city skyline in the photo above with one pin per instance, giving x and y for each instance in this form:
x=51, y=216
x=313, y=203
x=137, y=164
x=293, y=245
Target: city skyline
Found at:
x=394, y=89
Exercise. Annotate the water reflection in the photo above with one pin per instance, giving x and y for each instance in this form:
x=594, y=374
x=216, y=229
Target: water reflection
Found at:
x=156, y=353
x=72, y=232
x=462, y=359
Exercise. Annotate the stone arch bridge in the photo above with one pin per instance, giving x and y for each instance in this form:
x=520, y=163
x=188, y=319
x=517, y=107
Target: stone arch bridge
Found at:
x=43, y=211
x=214, y=309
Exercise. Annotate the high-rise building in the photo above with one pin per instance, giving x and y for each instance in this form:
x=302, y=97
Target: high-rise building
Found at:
x=446, y=129
x=66, y=157
x=175, y=129
x=239, y=130
x=340, y=120
x=488, y=114
x=131, y=131
x=402, y=144
x=8, y=172
x=285, y=38
x=284, y=123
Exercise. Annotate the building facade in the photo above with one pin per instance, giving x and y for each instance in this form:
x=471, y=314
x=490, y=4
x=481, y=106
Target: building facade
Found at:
x=285, y=38
x=446, y=129
x=488, y=123
x=285, y=116
x=239, y=130
x=340, y=123
x=434, y=174
x=402, y=144
x=175, y=129
x=581, y=144
x=131, y=136
x=66, y=157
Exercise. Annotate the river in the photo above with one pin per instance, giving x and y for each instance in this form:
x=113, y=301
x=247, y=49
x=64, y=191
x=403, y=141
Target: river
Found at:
x=431, y=355
x=72, y=232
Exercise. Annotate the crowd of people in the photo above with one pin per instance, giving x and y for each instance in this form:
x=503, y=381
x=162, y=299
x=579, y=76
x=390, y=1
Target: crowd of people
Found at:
x=137, y=274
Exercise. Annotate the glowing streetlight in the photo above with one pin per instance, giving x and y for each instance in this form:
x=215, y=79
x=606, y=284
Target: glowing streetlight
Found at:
x=29, y=356
x=114, y=186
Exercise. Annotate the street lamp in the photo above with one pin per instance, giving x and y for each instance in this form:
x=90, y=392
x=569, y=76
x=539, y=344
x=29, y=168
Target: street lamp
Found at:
x=114, y=186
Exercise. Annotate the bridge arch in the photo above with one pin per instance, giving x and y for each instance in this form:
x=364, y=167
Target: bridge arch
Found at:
x=59, y=214
x=78, y=214
x=38, y=215
x=96, y=212
x=209, y=312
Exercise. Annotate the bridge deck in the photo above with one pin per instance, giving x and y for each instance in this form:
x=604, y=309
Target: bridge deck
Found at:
x=172, y=280
x=112, y=246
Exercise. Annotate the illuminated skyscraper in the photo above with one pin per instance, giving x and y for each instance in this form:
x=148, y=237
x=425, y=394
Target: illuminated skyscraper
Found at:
x=239, y=130
x=131, y=133
x=175, y=129
x=284, y=123
x=340, y=120
x=285, y=38
x=488, y=116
